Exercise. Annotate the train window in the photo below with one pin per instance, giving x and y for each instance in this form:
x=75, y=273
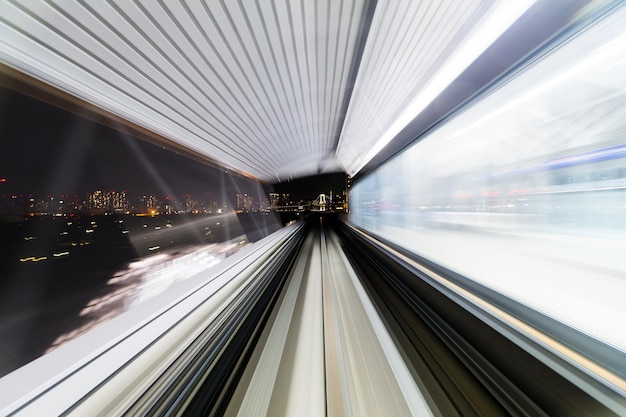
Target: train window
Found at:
x=94, y=221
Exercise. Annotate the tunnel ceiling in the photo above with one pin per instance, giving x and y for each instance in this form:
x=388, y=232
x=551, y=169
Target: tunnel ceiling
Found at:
x=272, y=89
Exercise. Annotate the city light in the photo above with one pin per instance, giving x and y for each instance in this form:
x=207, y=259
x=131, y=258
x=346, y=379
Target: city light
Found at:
x=34, y=259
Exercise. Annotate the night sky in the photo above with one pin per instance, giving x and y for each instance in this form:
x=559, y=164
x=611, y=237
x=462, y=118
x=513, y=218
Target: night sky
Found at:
x=311, y=187
x=47, y=150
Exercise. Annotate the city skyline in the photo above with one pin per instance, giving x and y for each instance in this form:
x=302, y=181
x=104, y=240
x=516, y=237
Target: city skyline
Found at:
x=101, y=202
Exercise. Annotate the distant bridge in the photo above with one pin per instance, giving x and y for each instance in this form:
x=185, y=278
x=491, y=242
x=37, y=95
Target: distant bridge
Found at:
x=321, y=203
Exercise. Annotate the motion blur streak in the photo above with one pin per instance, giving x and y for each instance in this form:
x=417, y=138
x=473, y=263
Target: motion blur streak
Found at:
x=526, y=188
x=494, y=23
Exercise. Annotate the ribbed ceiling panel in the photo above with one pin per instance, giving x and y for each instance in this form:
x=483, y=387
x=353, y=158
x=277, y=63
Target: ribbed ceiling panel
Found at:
x=397, y=68
x=257, y=86
x=274, y=89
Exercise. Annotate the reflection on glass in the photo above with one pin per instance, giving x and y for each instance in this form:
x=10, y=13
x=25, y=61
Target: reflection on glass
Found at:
x=525, y=190
x=94, y=222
